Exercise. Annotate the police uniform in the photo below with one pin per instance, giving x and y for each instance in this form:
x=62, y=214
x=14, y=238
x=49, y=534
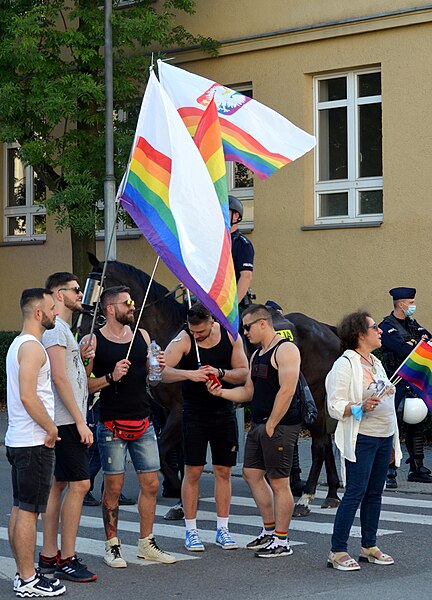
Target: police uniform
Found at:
x=396, y=333
x=243, y=254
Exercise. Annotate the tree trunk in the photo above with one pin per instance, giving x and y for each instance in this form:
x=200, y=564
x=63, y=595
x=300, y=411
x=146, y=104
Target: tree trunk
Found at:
x=80, y=262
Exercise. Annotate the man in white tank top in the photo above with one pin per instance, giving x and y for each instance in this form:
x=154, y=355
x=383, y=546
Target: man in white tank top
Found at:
x=30, y=439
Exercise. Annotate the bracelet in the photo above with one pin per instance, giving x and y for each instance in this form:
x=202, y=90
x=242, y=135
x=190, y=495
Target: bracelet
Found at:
x=221, y=373
x=109, y=377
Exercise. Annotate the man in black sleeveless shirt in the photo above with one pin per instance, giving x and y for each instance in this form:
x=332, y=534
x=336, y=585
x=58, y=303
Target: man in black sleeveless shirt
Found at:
x=206, y=419
x=276, y=423
x=122, y=383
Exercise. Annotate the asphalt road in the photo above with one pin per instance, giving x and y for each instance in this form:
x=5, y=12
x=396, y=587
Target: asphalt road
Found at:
x=405, y=532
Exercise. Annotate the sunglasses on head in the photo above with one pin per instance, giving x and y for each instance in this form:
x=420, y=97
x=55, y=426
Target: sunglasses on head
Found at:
x=247, y=326
x=76, y=289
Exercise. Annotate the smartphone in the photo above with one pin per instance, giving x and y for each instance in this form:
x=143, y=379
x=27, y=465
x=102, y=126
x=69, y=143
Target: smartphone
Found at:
x=213, y=379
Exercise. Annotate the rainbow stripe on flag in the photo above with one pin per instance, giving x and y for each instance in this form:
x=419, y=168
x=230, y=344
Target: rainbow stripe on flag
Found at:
x=209, y=143
x=417, y=371
x=168, y=192
x=238, y=145
x=252, y=133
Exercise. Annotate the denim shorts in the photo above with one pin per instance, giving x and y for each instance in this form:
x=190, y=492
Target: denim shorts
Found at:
x=144, y=451
x=32, y=476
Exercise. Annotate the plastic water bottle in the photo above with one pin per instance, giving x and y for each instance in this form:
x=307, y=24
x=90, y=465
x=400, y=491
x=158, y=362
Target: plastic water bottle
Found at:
x=154, y=366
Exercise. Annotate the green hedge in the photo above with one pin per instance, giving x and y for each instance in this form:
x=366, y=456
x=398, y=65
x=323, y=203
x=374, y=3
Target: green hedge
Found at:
x=6, y=338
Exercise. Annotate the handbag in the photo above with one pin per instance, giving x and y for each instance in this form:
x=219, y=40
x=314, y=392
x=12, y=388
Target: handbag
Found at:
x=128, y=430
x=308, y=409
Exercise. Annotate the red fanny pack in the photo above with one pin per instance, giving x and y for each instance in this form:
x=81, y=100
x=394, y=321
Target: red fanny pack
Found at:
x=128, y=430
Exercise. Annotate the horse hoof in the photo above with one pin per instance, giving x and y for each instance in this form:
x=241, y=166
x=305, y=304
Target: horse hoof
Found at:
x=300, y=510
x=175, y=513
x=330, y=503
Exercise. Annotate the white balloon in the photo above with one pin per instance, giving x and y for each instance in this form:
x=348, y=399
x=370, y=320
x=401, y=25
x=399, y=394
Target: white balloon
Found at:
x=415, y=411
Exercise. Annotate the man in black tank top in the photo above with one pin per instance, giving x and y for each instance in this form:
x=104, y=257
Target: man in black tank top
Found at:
x=206, y=419
x=123, y=397
x=276, y=423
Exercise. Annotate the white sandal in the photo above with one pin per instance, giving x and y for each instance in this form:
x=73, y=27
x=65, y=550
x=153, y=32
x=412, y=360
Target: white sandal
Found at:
x=342, y=561
x=375, y=556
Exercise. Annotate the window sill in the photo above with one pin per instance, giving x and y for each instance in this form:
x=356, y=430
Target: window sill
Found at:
x=23, y=243
x=120, y=236
x=341, y=225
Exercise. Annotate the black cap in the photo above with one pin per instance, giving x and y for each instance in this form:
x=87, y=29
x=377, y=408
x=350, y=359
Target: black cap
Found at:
x=403, y=293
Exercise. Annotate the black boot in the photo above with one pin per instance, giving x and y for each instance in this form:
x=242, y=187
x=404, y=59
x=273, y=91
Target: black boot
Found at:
x=418, y=473
x=391, y=483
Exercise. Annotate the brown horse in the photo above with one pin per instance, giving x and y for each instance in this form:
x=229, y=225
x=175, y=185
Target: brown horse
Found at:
x=163, y=317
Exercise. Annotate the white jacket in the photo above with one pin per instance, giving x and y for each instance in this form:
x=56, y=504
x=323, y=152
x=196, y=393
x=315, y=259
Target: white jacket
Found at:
x=344, y=384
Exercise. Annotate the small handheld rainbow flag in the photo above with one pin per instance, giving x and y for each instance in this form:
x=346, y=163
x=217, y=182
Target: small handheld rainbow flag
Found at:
x=417, y=371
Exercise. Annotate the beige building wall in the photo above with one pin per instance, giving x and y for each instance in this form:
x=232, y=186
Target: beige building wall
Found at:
x=322, y=272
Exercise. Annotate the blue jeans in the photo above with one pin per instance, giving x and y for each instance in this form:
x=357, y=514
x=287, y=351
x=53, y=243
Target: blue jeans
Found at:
x=364, y=486
x=143, y=451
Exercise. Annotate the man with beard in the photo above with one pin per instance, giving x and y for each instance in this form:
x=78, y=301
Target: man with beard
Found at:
x=124, y=423
x=69, y=383
x=30, y=439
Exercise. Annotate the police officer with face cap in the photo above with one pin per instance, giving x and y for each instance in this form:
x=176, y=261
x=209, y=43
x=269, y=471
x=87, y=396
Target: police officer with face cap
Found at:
x=242, y=253
x=400, y=334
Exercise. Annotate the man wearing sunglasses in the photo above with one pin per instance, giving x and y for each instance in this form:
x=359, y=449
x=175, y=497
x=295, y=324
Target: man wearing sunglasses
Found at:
x=276, y=423
x=124, y=402
x=201, y=351
x=400, y=334
x=69, y=383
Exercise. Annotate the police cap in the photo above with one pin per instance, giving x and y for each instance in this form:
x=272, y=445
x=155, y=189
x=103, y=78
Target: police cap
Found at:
x=273, y=304
x=403, y=293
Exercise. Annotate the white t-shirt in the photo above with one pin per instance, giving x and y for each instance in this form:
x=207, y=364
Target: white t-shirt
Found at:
x=61, y=335
x=23, y=431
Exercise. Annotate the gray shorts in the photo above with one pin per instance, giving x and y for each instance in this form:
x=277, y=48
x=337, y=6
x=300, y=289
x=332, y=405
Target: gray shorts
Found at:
x=273, y=455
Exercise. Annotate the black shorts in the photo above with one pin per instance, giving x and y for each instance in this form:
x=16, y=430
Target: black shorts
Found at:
x=222, y=435
x=273, y=455
x=32, y=476
x=72, y=460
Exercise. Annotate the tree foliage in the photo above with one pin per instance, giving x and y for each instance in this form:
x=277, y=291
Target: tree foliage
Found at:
x=52, y=98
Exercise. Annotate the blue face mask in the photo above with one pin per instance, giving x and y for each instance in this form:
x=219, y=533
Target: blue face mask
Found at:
x=410, y=310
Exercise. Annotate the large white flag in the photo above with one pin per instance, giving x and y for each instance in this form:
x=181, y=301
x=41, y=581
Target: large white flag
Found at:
x=252, y=133
x=168, y=192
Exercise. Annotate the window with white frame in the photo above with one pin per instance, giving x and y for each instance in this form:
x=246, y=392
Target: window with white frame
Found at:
x=24, y=199
x=240, y=179
x=348, y=168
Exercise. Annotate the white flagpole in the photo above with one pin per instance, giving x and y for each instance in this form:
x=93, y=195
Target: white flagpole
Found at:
x=142, y=307
x=196, y=345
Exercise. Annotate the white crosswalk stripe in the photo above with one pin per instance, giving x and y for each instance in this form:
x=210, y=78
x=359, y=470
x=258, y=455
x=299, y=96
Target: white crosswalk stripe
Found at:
x=396, y=510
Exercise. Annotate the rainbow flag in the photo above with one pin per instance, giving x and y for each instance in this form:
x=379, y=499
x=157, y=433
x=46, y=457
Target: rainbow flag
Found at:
x=168, y=192
x=209, y=143
x=417, y=371
x=252, y=134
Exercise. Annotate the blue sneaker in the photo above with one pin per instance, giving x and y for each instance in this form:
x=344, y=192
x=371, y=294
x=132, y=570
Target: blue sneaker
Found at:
x=224, y=539
x=193, y=542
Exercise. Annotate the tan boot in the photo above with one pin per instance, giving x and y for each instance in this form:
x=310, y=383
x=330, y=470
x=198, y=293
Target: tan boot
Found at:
x=149, y=550
x=113, y=555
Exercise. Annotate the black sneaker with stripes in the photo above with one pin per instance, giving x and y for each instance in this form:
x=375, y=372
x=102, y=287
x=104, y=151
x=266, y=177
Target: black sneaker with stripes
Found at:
x=274, y=550
x=73, y=569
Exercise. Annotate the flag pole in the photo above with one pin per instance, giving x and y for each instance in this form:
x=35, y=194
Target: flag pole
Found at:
x=415, y=348
x=142, y=307
x=196, y=345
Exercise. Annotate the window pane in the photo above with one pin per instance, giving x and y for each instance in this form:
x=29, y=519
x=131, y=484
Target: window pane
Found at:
x=371, y=202
x=332, y=89
x=369, y=85
x=370, y=136
x=16, y=225
x=39, y=224
x=333, y=205
x=39, y=190
x=16, y=179
x=333, y=149
x=243, y=177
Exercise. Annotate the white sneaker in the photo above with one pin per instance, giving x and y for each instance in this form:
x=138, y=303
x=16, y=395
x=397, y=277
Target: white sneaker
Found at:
x=149, y=550
x=39, y=587
x=113, y=556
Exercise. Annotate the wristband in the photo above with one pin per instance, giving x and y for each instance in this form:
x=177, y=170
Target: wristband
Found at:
x=109, y=377
x=221, y=373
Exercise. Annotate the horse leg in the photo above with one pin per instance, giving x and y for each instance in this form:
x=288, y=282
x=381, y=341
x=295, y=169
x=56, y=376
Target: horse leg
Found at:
x=332, y=500
x=169, y=440
x=302, y=508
